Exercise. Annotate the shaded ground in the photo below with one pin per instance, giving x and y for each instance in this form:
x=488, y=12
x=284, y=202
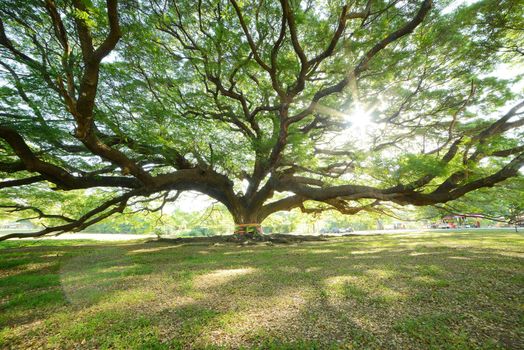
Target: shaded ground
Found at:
x=419, y=291
x=129, y=236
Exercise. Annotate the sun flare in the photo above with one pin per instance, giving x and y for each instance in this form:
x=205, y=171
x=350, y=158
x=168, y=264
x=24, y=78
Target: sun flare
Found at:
x=360, y=117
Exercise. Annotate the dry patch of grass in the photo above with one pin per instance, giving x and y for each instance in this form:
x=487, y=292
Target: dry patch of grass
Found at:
x=425, y=291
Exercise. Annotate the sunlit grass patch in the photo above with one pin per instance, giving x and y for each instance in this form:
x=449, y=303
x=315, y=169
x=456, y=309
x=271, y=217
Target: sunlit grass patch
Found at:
x=219, y=277
x=429, y=281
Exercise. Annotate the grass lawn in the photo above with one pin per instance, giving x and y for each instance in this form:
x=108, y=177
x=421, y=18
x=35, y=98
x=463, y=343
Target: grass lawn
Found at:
x=441, y=290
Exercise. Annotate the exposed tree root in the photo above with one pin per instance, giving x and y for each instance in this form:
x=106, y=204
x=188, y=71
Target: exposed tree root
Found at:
x=246, y=239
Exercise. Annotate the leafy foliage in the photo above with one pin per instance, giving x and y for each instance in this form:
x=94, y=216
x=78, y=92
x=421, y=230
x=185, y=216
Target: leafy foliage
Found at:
x=263, y=106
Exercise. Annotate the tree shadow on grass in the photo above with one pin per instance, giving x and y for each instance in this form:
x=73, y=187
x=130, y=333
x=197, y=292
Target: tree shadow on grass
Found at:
x=315, y=295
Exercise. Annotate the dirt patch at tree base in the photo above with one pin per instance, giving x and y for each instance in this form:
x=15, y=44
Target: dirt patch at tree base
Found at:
x=246, y=239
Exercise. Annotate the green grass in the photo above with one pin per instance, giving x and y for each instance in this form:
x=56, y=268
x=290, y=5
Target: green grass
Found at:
x=446, y=290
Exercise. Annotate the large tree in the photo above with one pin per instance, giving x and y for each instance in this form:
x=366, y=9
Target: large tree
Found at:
x=262, y=105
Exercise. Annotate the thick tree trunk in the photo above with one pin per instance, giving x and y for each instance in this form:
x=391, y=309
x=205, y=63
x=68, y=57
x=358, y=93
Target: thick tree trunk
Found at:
x=248, y=226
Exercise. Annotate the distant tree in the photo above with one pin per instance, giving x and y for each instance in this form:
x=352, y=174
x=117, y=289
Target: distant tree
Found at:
x=265, y=106
x=502, y=203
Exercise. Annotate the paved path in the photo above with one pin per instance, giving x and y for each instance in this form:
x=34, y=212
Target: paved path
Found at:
x=103, y=236
x=424, y=230
x=96, y=236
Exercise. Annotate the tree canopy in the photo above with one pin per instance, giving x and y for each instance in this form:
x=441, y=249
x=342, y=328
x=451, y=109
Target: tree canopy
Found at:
x=263, y=106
